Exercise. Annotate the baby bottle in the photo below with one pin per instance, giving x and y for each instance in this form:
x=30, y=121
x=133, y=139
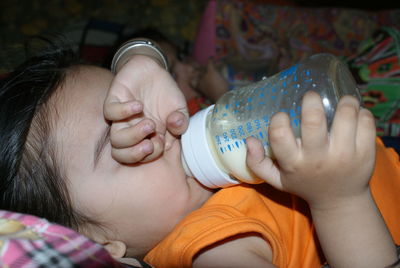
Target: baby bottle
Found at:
x=214, y=146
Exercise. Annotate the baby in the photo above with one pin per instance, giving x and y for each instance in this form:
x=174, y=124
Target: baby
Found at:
x=100, y=153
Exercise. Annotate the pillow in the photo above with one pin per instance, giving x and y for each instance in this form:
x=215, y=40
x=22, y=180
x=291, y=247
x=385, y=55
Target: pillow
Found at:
x=29, y=241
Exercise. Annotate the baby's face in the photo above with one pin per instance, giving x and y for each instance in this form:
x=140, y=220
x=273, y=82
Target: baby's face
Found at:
x=137, y=204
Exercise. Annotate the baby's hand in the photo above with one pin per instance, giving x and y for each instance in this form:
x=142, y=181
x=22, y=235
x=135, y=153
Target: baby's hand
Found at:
x=146, y=110
x=321, y=168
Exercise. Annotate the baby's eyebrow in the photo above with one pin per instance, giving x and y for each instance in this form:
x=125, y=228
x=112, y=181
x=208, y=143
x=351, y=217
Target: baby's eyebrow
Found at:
x=100, y=145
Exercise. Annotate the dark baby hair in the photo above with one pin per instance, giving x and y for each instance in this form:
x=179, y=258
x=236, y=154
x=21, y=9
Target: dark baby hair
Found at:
x=31, y=178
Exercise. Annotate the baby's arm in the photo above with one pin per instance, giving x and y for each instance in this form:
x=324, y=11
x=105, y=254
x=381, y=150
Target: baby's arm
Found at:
x=249, y=251
x=331, y=172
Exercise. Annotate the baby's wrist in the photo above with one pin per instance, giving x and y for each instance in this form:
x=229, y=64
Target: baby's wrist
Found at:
x=342, y=204
x=138, y=46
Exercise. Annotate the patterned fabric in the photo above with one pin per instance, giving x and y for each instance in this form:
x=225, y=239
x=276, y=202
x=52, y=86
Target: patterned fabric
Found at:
x=377, y=69
x=284, y=35
x=27, y=241
x=264, y=39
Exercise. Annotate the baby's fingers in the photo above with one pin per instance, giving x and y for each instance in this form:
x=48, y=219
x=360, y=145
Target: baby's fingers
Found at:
x=133, y=154
x=122, y=137
x=344, y=126
x=283, y=142
x=114, y=110
x=314, y=133
x=145, y=151
x=366, y=133
x=158, y=141
x=261, y=165
x=177, y=122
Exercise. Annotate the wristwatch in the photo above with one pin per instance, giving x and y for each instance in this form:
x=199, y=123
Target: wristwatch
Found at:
x=138, y=46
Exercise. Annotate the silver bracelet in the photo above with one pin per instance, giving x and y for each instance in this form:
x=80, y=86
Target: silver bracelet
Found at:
x=138, y=46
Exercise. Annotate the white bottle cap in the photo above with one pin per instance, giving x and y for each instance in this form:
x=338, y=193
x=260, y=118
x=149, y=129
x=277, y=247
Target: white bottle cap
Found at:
x=197, y=158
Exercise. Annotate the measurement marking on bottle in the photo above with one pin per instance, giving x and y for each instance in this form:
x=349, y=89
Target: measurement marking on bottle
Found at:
x=290, y=71
x=230, y=147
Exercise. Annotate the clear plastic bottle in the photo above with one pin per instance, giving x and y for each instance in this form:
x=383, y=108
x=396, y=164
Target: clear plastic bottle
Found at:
x=214, y=146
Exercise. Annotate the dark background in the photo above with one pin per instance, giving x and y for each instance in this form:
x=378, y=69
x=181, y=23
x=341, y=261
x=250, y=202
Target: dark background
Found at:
x=20, y=19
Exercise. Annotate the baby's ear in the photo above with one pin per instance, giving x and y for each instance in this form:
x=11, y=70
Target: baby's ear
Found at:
x=117, y=249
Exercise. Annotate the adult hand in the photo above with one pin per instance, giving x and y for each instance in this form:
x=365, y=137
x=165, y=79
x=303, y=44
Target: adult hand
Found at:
x=146, y=110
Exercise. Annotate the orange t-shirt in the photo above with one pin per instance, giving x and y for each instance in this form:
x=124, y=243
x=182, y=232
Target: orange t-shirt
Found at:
x=280, y=218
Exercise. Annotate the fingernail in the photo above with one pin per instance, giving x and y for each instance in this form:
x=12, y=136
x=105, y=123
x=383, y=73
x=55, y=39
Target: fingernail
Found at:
x=146, y=148
x=136, y=107
x=179, y=122
x=147, y=129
